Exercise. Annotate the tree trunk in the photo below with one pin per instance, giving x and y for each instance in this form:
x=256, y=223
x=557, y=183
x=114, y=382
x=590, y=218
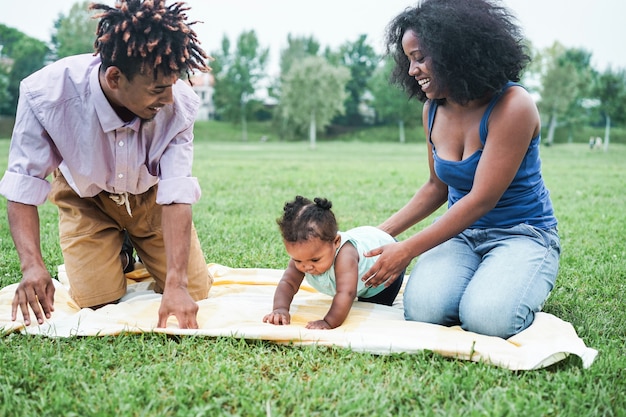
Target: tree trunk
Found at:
x=244, y=124
x=607, y=132
x=570, y=136
x=312, y=131
x=401, y=131
x=551, y=129
x=244, y=129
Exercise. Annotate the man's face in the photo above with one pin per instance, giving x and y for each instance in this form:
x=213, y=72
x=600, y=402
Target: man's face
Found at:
x=144, y=95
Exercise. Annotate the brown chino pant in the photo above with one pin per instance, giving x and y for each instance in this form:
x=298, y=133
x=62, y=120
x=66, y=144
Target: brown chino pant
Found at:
x=91, y=233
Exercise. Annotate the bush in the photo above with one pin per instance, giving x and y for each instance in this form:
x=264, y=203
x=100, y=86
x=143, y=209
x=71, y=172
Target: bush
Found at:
x=581, y=134
x=6, y=126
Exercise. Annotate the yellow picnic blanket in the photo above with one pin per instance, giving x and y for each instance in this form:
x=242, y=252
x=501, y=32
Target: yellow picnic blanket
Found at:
x=240, y=297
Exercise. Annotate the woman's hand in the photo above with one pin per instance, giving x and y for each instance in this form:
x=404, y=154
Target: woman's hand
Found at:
x=393, y=259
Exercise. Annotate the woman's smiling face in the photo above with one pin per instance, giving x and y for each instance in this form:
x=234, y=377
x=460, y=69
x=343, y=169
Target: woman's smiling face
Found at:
x=420, y=65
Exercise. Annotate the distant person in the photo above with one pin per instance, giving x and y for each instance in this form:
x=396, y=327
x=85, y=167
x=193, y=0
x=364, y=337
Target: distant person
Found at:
x=331, y=261
x=491, y=260
x=598, y=143
x=116, y=131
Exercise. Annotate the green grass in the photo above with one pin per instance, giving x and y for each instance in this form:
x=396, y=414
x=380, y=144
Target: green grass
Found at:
x=244, y=187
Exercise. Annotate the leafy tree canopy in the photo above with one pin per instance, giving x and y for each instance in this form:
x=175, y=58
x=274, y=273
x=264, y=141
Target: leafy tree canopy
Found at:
x=75, y=33
x=21, y=56
x=313, y=93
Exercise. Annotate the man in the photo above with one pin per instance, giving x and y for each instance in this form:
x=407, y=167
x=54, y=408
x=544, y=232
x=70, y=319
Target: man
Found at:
x=115, y=130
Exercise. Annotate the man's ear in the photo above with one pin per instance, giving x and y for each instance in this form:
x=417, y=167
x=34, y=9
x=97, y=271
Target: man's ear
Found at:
x=113, y=76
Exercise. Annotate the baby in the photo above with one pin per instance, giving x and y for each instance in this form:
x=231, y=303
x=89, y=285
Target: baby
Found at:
x=332, y=262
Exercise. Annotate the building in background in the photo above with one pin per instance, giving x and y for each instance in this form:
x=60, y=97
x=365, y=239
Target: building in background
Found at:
x=203, y=84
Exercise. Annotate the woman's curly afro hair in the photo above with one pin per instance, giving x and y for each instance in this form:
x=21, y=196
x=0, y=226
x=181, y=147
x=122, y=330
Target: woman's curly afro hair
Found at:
x=475, y=47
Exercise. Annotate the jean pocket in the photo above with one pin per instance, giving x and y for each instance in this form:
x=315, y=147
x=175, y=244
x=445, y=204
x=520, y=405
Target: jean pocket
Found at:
x=548, y=237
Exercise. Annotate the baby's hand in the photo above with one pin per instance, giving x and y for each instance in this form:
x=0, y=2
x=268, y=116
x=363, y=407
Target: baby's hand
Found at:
x=318, y=324
x=279, y=316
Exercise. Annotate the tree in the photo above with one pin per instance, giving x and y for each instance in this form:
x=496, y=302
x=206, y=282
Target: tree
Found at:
x=298, y=48
x=313, y=93
x=9, y=38
x=29, y=55
x=238, y=75
x=563, y=85
x=610, y=90
x=75, y=33
x=4, y=83
x=533, y=72
x=392, y=105
x=361, y=59
x=20, y=56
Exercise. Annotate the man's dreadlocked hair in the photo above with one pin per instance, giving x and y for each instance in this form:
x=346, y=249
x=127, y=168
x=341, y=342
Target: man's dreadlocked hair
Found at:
x=139, y=36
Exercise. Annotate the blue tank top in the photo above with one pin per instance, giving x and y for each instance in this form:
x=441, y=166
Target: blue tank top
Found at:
x=526, y=200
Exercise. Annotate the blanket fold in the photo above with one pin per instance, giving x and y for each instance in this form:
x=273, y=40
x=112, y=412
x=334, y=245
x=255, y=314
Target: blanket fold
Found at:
x=240, y=297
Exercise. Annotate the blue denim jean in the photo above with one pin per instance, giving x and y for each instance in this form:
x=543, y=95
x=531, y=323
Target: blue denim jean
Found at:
x=488, y=281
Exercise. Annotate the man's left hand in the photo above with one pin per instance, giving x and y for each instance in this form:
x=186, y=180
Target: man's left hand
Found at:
x=177, y=302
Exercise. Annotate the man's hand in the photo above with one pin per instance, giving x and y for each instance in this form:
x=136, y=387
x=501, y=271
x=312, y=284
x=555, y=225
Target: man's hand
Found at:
x=177, y=302
x=36, y=288
x=37, y=291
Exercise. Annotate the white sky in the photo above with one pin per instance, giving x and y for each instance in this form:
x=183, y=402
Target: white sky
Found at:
x=598, y=26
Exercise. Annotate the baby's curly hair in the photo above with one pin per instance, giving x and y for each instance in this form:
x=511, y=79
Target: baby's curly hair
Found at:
x=476, y=46
x=304, y=219
x=139, y=36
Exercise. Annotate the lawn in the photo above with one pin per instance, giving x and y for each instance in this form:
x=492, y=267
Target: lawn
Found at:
x=244, y=188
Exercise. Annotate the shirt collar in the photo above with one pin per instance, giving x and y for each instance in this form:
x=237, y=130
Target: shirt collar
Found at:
x=109, y=120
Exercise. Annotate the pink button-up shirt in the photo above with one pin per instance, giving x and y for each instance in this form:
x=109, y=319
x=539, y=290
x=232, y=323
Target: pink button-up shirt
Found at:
x=64, y=120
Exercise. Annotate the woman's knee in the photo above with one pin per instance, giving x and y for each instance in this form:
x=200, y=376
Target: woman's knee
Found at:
x=494, y=318
x=434, y=298
x=424, y=306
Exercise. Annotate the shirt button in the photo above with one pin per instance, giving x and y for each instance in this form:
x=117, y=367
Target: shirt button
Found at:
x=120, y=175
x=121, y=143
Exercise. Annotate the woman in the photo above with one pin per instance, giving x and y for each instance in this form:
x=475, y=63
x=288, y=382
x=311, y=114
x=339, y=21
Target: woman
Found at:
x=489, y=263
